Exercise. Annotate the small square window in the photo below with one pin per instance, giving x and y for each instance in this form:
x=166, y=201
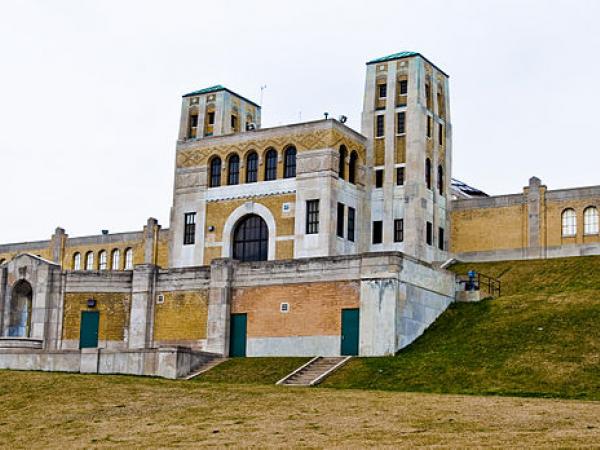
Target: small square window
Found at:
x=403, y=87
x=284, y=307
x=400, y=176
x=382, y=90
x=380, y=126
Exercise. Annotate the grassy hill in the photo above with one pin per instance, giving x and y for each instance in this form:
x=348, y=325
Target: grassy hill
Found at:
x=541, y=338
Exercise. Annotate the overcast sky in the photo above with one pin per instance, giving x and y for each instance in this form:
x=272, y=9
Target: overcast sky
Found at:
x=90, y=91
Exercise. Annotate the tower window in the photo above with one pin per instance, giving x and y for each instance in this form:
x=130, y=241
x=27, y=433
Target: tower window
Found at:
x=352, y=167
x=192, y=133
x=441, y=238
x=211, y=118
x=271, y=165
x=289, y=161
x=428, y=173
x=382, y=90
x=234, y=122
x=234, y=170
x=440, y=180
x=429, y=234
x=312, y=216
x=377, y=232
x=342, y=163
x=340, y=220
x=441, y=134
x=379, y=178
x=189, y=228
x=252, y=168
x=398, y=230
x=380, y=126
x=429, y=125
x=351, y=220
x=401, y=122
x=215, y=172
x=428, y=95
x=403, y=87
x=400, y=176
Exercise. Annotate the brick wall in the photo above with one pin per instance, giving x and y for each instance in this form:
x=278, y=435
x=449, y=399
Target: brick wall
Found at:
x=182, y=317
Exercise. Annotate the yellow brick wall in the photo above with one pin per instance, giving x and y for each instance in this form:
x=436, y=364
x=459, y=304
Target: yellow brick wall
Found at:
x=379, y=151
x=114, y=314
x=554, y=221
x=182, y=317
x=400, y=149
x=315, y=308
x=70, y=250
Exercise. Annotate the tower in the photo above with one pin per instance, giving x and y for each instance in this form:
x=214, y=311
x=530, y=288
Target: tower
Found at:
x=216, y=111
x=406, y=119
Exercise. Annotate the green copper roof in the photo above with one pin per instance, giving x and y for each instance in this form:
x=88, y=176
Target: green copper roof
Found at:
x=216, y=88
x=393, y=56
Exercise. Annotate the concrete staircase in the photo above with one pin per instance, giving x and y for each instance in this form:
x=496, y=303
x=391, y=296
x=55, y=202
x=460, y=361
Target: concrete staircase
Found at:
x=205, y=366
x=314, y=371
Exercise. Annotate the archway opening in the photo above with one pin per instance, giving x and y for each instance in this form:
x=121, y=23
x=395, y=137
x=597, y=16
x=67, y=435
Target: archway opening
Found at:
x=251, y=239
x=20, y=310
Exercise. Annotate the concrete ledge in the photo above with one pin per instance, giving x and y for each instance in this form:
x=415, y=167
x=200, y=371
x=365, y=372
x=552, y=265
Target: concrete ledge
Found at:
x=468, y=296
x=20, y=342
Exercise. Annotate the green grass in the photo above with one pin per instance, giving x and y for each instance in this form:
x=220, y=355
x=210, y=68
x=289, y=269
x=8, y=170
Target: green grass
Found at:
x=541, y=338
x=252, y=370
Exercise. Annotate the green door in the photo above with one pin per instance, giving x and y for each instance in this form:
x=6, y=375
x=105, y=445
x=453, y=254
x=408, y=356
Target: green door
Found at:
x=88, y=333
x=237, y=335
x=350, y=331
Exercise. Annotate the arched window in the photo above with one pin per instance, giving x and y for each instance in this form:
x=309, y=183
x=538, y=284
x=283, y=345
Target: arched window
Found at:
x=252, y=168
x=234, y=170
x=289, y=162
x=428, y=173
x=569, y=222
x=89, y=261
x=251, y=239
x=128, y=259
x=352, y=167
x=271, y=165
x=116, y=259
x=440, y=179
x=590, y=220
x=102, y=260
x=20, y=310
x=215, y=172
x=342, y=162
x=77, y=261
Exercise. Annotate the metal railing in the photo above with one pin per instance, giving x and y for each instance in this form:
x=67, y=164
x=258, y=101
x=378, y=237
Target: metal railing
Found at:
x=480, y=282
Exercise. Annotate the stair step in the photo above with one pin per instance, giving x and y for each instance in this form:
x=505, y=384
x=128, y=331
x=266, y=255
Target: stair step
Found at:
x=313, y=371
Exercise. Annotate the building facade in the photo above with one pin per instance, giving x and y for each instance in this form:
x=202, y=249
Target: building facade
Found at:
x=298, y=240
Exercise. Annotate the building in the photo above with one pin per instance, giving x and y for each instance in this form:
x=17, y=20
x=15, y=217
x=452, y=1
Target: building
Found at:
x=297, y=240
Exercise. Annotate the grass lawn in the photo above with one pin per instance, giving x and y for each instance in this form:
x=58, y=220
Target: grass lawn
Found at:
x=251, y=370
x=66, y=410
x=541, y=338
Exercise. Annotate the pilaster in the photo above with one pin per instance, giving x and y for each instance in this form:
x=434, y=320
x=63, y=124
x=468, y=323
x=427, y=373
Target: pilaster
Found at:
x=142, y=306
x=219, y=305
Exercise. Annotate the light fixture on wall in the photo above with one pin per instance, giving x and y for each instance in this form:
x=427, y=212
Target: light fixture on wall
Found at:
x=211, y=228
x=91, y=302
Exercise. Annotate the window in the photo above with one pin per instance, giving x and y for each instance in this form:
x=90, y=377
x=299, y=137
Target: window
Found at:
x=251, y=239
x=289, y=161
x=340, y=220
x=429, y=123
x=352, y=167
x=428, y=95
x=193, y=129
x=377, y=232
x=379, y=178
x=116, y=260
x=189, y=228
x=312, y=216
x=342, y=162
x=128, y=259
x=403, y=87
x=569, y=222
x=398, y=230
x=89, y=261
x=382, y=90
x=77, y=261
x=380, y=126
x=102, y=260
x=211, y=118
x=271, y=165
x=215, y=172
x=401, y=122
x=400, y=176
x=441, y=238
x=234, y=122
x=234, y=170
x=441, y=134
x=252, y=168
x=429, y=234
x=428, y=173
x=590, y=220
x=351, y=219
x=440, y=180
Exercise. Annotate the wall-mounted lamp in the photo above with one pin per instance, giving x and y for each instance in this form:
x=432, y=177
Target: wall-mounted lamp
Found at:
x=91, y=303
x=211, y=228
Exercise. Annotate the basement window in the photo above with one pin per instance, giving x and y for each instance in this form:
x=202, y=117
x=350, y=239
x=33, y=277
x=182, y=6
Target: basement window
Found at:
x=284, y=307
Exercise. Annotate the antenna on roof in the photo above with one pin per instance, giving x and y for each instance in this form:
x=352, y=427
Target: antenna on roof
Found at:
x=262, y=88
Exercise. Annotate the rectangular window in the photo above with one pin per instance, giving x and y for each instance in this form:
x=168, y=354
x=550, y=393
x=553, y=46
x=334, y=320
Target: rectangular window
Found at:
x=193, y=126
x=382, y=90
x=340, y=220
x=312, y=216
x=377, y=232
x=379, y=178
x=400, y=176
x=429, y=234
x=351, y=219
x=398, y=230
x=234, y=122
x=441, y=134
x=403, y=87
x=428, y=95
x=211, y=118
x=441, y=238
x=401, y=123
x=380, y=126
x=429, y=126
x=189, y=228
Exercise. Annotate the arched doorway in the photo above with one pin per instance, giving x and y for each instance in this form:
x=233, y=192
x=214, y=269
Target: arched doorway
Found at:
x=20, y=310
x=251, y=239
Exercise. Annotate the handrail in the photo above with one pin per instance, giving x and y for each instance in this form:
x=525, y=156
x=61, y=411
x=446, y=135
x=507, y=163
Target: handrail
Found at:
x=493, y=286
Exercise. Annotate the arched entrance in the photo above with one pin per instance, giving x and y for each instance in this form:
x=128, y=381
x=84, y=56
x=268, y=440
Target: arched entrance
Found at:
x=20, y=310
x=251, y=239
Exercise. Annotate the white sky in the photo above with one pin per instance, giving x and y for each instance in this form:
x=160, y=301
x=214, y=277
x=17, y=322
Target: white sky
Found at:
x=90, y=91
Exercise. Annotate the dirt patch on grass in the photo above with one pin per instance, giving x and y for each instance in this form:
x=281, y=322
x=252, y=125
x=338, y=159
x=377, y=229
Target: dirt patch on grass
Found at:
x=58, y=410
